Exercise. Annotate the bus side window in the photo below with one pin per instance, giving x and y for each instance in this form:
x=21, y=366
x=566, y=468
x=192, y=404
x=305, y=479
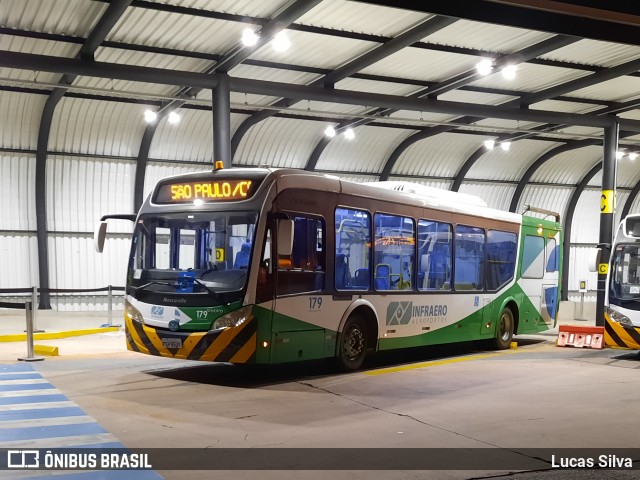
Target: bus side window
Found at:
x=469, y=263
x=501, y=258
x=552, y=255
x=434, y=253
x=353, y=249
x=533, y=257
x=394, y=252
x=303, y=270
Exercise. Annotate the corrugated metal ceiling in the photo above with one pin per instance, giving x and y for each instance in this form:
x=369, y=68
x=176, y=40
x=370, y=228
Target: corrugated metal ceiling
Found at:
x=487, y=37
x=360, y=17
x=115, y=129
x=594, y=52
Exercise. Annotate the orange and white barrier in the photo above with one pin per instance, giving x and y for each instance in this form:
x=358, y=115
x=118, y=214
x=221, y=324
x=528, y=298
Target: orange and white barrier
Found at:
x=580, y=337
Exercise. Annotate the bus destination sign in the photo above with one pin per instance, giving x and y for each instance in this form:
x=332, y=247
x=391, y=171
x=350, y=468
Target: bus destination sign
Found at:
x=206, y=191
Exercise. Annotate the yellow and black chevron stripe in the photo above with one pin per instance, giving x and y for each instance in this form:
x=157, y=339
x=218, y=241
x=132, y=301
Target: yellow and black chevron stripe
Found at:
x=234, y=344
x=616, y=335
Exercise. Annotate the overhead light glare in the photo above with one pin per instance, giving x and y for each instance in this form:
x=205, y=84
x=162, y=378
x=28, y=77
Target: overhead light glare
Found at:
x=505, y=146
x=619, y=155
x=349, y=134
x=150, y=116
x=485, y=66
x=330, y=131
x=249, y=37
x=509, y=72
x=633, y=156
x=281, y=42
x=489, y=144
x=174, y=118
x=198, y=202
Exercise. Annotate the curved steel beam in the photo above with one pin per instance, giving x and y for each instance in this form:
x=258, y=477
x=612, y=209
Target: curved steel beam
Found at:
x=515, y=199
x=571, y=207
x=406, y=143
x=473, y=158
x=458, y=81
x=102, y=28
x=141, y=164
x=234, y=57
x=630, y=199
x=390, y=47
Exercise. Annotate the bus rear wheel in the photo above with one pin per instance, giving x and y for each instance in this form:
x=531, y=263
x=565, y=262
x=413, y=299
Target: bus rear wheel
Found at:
x=504, y=332
x=353, y=345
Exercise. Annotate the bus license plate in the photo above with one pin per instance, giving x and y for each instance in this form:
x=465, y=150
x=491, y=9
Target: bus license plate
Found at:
x=172, y=342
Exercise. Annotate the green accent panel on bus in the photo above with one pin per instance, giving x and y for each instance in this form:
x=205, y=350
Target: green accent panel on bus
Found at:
x=263, y=317
x=289, y=339
x=202, y=318
x=298, y=345
x=474, y=327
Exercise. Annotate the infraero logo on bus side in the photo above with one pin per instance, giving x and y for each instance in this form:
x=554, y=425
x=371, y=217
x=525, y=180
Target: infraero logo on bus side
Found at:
x=399, y=313
x=404, y=313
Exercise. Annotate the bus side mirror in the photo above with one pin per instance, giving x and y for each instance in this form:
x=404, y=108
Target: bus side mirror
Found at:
x=285, y=237
x=99, y=236
x=594, y=261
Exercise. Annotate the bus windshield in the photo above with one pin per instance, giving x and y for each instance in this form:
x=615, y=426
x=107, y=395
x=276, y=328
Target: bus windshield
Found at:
x=191, y=252
x=625, y=275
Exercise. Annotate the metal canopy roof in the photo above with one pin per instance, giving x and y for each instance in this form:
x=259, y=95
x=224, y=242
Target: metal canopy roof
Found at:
x=570, y=72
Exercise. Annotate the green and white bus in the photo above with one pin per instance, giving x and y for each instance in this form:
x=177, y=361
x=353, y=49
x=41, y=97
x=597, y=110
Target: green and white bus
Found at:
x=264, y=266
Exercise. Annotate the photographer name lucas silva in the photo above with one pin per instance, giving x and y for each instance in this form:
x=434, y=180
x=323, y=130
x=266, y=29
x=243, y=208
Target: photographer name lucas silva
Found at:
x=602, y=461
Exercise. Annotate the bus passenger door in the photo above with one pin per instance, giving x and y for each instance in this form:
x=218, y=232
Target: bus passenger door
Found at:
x=299, y=313
x=265, y=294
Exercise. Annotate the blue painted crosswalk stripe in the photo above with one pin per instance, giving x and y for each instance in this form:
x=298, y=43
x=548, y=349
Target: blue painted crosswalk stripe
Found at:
x=32, y=399
x=24, y=386
x=34, y=414
x=31, y=433
x=43, y=413
x=20, y=376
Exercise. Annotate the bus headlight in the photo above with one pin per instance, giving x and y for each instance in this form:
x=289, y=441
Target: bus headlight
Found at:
x=233, y=319
x=620, y=318
x=132, y=313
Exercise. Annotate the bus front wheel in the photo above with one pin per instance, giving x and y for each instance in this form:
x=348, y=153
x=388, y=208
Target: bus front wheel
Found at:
x=353, y=345
x=504, y=332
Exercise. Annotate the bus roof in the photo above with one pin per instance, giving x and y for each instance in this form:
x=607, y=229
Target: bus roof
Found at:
x=293, y=178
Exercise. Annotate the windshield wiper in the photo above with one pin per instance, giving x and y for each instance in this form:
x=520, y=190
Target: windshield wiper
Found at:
x=211, y=292
x=152, y=282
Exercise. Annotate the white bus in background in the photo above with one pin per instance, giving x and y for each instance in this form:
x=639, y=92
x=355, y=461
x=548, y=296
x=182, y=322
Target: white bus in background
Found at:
x=622, y=297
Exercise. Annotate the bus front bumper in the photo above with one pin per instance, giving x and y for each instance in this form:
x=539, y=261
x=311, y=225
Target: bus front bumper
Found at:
x=616, y=335
x=232, y=344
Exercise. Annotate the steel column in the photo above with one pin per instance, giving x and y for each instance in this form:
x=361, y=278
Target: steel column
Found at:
x=222, y=121
x=607, y=212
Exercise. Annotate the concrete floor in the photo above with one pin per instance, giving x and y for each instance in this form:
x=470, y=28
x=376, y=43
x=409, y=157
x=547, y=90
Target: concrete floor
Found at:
x=538, y=396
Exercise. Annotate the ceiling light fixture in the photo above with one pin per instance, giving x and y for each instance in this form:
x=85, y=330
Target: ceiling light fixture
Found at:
x=489, y=144
x=509, y=72
x=619, y=155
x=281, y=42
x=174, y=118
x=505, y=146
x=633, y=156
x=249, y=37
x=150, y=116
x=330, y=131
x=349, y=134
x=485, y=66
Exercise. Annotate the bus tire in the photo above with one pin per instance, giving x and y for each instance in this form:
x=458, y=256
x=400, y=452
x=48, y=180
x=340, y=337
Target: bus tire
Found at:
x=504, y=330
x=352, y=348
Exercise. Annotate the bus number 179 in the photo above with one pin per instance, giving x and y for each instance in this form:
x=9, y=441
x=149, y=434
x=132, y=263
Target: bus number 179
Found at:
x=315, y=303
